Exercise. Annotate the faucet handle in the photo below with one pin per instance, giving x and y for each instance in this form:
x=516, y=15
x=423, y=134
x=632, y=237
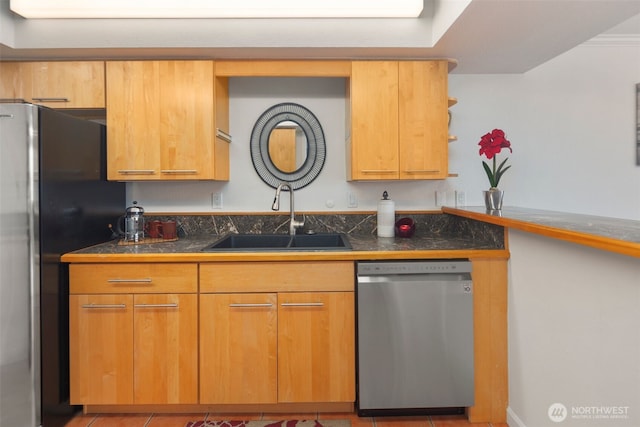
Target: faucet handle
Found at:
x=295, y=224
x=298, y=224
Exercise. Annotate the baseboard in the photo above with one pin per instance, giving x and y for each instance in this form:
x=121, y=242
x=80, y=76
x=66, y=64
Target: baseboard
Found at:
x=513, y=420
x=291, y=408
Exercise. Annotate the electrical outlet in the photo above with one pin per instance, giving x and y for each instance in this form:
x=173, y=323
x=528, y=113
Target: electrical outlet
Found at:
x=461, y=199
x=441, y=198
x=216, y=200
x=352, y=200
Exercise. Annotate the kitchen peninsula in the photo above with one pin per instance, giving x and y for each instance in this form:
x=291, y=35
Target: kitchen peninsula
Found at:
x=572, y=311
x=609, y=234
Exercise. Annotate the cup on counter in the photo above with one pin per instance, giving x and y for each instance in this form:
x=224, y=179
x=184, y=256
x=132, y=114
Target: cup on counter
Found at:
x=155, y=229
x=169, y=230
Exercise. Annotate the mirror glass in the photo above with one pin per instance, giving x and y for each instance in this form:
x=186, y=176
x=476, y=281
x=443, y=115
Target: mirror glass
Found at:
x=287, y=145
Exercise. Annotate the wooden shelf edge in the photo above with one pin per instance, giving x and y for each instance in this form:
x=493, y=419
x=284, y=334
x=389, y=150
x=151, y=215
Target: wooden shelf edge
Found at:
x=452, y=138
x=283, y=68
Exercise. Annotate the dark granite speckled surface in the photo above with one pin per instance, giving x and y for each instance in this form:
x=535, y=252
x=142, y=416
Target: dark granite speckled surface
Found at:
x=433, y=232
x=612, y=228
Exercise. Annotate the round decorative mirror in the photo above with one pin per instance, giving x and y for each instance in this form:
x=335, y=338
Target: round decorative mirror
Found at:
x=287, y=145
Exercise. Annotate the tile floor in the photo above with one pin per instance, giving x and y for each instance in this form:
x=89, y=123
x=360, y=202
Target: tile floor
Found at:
x=179, y=420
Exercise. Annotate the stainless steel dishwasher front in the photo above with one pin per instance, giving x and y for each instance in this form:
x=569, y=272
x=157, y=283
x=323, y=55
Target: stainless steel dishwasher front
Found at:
x=415, y=337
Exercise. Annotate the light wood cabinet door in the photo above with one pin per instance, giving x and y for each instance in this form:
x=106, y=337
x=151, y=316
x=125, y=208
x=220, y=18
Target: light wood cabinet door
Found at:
x=399, y=120
x=56, y=84
x=101, y=349
x=316, y=347
x=15, y=81
x=422, y=113
x=165, y=342
x=374, y=121
x=161, y=121
x=133, y=120
x=238, y=348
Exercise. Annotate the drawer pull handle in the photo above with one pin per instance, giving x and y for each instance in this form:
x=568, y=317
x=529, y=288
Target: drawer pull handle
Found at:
x=147, y=280
x=378, y=171
x=104, y=306
x=51, y=99
x=251, y=305
x=173, y=305
x=223, y=135
x=302, y=304
x=179, y=171
x=136, y=171
x=421, y=171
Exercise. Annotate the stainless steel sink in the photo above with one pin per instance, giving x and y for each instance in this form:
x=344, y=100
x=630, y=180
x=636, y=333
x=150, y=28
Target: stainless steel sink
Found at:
x=280, y=242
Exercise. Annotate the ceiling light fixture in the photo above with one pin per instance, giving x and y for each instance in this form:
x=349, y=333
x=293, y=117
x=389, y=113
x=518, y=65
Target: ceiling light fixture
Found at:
x=217, y=8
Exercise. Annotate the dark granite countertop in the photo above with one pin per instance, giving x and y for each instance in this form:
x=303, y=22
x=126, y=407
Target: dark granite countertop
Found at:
x=612, y=234
x=437, y=235
x=194, y=244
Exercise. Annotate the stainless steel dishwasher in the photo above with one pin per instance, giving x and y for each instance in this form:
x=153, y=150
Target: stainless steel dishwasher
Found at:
x=415, y=337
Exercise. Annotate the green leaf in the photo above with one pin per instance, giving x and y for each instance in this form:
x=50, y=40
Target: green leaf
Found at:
x=487, y=169
x=499, y=173
x=502, y=165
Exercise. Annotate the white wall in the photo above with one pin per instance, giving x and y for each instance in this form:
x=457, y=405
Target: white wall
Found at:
x=571, y=123
x=573, y=332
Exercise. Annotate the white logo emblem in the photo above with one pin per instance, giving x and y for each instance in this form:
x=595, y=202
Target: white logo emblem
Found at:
x=557, y=412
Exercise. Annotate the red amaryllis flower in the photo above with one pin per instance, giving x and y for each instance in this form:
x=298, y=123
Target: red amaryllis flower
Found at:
x=490, y=145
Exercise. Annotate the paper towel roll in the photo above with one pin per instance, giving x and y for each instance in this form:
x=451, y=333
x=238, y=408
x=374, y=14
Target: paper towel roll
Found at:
x=386, y=216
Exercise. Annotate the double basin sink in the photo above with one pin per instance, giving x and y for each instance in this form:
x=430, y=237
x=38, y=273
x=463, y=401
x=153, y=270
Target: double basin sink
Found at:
x=280, y=242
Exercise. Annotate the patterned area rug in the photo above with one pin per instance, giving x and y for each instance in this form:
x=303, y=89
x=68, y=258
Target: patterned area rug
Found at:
x=271, y=423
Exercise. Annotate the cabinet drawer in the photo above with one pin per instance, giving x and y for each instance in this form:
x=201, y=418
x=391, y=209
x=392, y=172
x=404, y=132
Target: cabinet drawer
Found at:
x=277, y=276
x=134, y=278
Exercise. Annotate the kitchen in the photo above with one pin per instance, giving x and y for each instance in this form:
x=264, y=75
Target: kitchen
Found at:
x=551, y=113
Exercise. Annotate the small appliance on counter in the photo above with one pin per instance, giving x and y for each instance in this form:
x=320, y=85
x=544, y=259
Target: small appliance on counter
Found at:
x=133, y=224
x=133, y=229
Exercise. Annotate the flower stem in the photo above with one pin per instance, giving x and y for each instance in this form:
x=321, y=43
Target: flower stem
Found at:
x=494, y=183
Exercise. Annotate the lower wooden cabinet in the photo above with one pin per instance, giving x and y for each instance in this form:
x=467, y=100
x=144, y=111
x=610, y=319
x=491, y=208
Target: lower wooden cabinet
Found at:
x=238, y=348
x=316, y=347
x=133, y=334
x=288, y=337
x=277, y=348
x=141, y=334
x=101, y=349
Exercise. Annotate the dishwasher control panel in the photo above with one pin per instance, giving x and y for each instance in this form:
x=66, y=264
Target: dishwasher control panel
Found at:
x=369, y=268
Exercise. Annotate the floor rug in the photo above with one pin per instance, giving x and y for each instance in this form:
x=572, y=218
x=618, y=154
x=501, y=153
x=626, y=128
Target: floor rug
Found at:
x=271, y=423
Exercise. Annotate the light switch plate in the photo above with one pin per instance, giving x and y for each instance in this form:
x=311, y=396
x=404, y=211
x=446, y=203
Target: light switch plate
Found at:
x=216, y=200
x=352, y=200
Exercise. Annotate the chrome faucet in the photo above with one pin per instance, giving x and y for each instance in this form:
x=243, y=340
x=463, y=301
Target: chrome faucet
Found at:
x=293, y=222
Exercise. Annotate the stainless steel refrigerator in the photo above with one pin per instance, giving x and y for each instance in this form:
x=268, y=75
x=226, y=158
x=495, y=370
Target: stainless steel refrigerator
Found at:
x=54, y=198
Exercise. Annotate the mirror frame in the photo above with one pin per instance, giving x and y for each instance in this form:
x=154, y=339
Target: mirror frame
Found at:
x=316, y=146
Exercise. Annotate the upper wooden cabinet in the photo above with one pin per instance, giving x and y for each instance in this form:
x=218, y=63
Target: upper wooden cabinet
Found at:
x=398, y=113
x=59, y=84
x=163, y=119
